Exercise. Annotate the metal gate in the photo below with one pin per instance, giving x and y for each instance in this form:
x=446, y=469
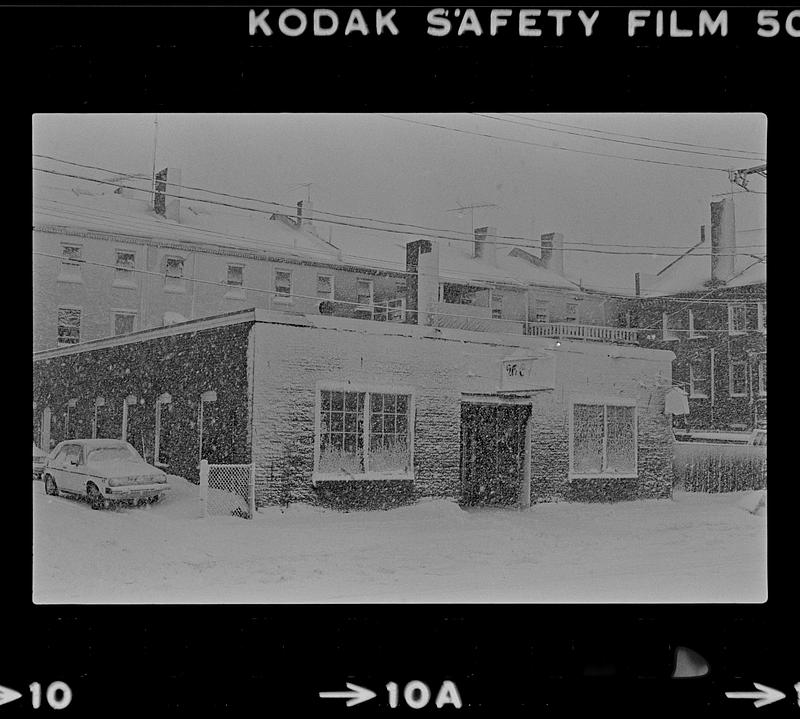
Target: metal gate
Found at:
x=227, y=489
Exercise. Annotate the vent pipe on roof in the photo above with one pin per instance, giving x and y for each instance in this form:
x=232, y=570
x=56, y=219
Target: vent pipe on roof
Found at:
x=723, y=240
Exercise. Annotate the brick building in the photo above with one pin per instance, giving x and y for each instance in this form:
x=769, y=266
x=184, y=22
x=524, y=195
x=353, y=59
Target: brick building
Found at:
x=361, y=413
x=709, y=307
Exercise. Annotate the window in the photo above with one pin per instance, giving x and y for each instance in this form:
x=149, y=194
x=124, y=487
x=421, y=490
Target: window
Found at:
x=762, y=316
x=71, y=259
x=667, y=332
x=603, y=439
x=571, y=312
x=738, y=378
x=737, y=319
x=364, y=291
x=173, y=274
x=457, y=294
x=697, y=324
x=283, y=286
x=325, y=286
x=69, y=326
x=364, y=433
x=235, y=275
x=699, y=381
x=124, y=266
x=542, y=313
x=762, y=378
x=496, y=301
x=124, y=322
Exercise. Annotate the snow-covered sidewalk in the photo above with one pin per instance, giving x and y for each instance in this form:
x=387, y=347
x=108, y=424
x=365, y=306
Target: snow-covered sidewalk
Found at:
x=695, y=548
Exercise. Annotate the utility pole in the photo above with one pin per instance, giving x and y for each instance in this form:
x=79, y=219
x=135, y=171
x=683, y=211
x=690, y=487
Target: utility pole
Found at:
x=155, y=145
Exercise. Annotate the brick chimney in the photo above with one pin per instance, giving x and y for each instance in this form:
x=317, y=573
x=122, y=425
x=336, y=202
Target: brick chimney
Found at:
x=305, y=214
x=723, y=240
x=422, y=281
x=168, y=185
x=485, y=247
x=553, y=251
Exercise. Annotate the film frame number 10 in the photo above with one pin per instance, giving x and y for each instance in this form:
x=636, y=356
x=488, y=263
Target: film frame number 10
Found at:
x=58, y=695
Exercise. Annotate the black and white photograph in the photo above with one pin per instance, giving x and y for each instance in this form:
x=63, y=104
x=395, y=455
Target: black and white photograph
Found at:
x=477, y=357
x=399, y=359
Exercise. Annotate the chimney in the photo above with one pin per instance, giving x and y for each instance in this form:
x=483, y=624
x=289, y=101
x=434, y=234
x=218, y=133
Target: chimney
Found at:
x=167, y=186
x=723, y=240
x=422, y=282
x=305, y=213
x=553, y=252
x=485, y=247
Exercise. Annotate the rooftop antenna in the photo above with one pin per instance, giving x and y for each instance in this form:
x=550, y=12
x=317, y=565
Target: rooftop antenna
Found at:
x=461, y=210
x=155, y=145
x=307, y=185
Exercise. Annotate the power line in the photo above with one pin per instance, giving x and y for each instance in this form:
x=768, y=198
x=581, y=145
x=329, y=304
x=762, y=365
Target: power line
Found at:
x=638, y=137
x=468, y=235
x=552, y=147
x=608, y=139
x=379, y=229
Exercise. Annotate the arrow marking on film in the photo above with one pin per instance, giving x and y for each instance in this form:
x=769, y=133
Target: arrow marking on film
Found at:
x=356, y=695
x=8, y=695
x=765, y=695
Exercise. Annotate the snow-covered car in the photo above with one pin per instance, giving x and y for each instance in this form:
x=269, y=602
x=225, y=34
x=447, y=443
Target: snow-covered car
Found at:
x=39, y=459
x=104, y=471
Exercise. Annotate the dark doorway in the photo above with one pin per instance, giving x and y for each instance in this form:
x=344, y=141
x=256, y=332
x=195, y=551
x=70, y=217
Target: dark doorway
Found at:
x=492, y=453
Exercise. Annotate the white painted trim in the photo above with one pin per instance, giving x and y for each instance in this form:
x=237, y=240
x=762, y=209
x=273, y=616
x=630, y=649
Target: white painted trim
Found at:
x=761, y=391
x=692, y=393
x=667, y=335
x=731, y=330
x=731, y=364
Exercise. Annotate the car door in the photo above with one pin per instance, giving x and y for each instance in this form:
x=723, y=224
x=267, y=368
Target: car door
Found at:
x=71, y=472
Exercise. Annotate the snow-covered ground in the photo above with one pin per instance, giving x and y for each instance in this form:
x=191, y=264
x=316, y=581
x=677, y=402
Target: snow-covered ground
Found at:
x=695, y=548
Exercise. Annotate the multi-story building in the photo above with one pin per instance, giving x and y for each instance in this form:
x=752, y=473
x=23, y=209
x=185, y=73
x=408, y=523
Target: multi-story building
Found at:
x=114, y=258
x=709, y=307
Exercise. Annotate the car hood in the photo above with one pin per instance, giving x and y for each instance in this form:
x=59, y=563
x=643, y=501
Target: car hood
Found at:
x=124, y=469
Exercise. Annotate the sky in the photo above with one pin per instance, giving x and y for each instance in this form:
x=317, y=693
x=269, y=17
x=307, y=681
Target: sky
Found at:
x=539, y=174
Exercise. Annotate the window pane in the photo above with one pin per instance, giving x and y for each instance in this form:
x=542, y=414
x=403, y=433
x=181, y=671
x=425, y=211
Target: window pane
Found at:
x=376, y=402
x=324, y=285
x=620, y=444
x=350, y=421
x=402, y=404
x=587, y=448
x=326, y=400
x=174, y=267
x=337, y=422
x=337, y=401
x=235, y=275
x=123, y=323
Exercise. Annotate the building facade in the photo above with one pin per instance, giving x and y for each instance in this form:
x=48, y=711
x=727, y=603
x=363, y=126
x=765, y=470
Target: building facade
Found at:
x=357, y=414
x=710, y=309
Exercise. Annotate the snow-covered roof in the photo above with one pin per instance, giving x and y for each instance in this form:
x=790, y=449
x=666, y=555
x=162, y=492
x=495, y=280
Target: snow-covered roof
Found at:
x=692, y=272
x=123, y=210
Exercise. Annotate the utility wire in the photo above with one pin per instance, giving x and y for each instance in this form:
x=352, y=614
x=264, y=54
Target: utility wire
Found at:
x=551, y=147
x=637, y=137
x=608, y=139
x=375, y=229
x=317, y=211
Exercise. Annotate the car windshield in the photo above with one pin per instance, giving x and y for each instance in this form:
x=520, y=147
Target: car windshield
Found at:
x=116, y=453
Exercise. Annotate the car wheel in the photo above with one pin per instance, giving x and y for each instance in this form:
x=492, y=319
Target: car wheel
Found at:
x=95, y=498
x=154, y=498
x=50, y=486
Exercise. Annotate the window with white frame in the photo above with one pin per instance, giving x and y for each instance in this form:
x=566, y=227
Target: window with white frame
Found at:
x=762, y=377
x=542, y=312
x=571, y=312
x=762, y=316
x=699, y=379
x=71, y=259
x=363, y=433
x=667, y=331
x=124, y=266
x=124, y=322
x=69, y=326
x=283, y=285
x=235, y=276
x=697, y=324
x=173, y=273
x=496, y=301
x=738, y=378
x=325, y=286
x=364, y=292
x=737, y=319
x=603, y=438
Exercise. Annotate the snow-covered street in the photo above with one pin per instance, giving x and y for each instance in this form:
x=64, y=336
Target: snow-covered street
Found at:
x=695, y=548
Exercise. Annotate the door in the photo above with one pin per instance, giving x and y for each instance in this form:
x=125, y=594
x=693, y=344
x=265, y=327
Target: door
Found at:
x=492, y=453
x=65, y=468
